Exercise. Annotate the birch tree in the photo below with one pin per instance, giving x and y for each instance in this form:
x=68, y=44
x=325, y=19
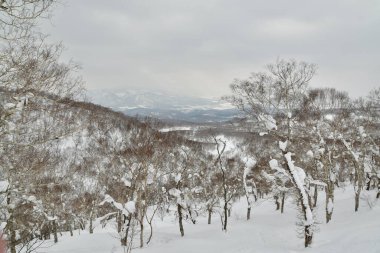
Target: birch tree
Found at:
x=274, y=98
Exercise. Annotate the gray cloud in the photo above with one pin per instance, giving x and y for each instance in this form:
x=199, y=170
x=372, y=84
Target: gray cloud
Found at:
x=198, y=47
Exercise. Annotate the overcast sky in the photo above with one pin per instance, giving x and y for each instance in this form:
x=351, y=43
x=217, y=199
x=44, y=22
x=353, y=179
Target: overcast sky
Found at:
x=198, y=47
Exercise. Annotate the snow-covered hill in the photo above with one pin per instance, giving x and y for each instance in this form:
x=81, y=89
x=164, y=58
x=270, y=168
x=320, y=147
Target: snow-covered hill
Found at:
x=164, y=106
x=268, y=231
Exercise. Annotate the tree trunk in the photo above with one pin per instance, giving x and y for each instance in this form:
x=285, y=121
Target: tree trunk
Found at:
x=47, y=231
x=249, y=213
x=209, y=216
x=82, y=225
x=229, y=212
x=142, y=233
x=91, y=225
x=55, y=231
x=277, y=203
x=308, y=236
x=119, y=221
x=328, y=216
x=12, y=241
x=180, y=219
x=305, y=202
x=11, y=226
x=315, y=196
x=151, y=232
x=225, y=216
x=368, y=183
x=329, y=200
x=71, y=229
x=358, y=184
x=124, y=240
x=191, y=217
x=282, y=202
x=357, y=199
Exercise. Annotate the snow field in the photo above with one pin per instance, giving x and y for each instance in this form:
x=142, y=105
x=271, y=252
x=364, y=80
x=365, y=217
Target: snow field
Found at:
x=267, y=231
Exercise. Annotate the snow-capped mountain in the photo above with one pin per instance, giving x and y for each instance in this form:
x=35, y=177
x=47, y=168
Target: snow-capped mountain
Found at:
x=164, y=106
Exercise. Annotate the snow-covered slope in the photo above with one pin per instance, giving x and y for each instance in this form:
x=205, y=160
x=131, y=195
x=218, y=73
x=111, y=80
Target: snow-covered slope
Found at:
x=163, y=105
x=268, y=231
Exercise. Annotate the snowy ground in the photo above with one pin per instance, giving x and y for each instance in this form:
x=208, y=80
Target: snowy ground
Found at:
x=267, y=231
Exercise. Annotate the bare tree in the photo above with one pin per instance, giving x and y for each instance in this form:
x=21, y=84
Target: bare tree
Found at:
x=19, y=17
x=274, y=98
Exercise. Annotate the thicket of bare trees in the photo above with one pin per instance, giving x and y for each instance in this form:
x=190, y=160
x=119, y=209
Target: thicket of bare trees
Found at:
x=321, y=130
x=104, y=166
x=67, y=165
x=32, y=81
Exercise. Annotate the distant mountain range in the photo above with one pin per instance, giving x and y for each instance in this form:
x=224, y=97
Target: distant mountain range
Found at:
x=164, y=106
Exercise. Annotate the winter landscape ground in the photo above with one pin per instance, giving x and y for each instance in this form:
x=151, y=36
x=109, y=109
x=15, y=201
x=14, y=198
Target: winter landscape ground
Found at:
x=269, y=231
x=194, y=126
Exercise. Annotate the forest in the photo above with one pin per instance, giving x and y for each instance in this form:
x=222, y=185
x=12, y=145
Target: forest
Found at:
x=67, y=164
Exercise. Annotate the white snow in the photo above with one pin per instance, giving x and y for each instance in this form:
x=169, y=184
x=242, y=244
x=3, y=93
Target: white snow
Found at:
x=126, y=182
x=250, y=190
x=9, y=106
x=3, y=186
x=299, y=177
x=175, y=192
x=171, y=129
x=283, y=145
x=329, y=117
x=130, y=206
x=197, y=189
x=32, y=199
x=269, y=121
x=318, y=182
x=126, y=208
x=349, y=149
x=273, y=164
x=332, y=177
x=247, y=170
x=301, y=174
x=250, y=162
x=178, y=177
x=362, y=132
x=230, y=150
x=51, y=218
x=268, y=231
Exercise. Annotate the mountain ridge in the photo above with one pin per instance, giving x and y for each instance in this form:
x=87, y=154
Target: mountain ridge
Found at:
x=164, y=106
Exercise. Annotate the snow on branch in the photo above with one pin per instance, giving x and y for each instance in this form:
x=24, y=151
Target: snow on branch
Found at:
x=318, y=183
x=268, y=120
x=274, y=166
x=299, y=175
x=283, y=145
x=126, y=209
x=3, y=186
x=348, y=147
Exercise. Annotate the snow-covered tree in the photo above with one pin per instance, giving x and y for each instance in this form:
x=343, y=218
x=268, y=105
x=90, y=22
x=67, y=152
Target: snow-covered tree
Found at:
x=275, y=98
x=228, y=176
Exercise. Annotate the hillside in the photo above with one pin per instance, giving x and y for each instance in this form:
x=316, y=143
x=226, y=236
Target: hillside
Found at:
x=268, y=232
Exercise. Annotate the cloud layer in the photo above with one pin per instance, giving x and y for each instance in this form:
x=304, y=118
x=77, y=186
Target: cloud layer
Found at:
x=198, y=47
